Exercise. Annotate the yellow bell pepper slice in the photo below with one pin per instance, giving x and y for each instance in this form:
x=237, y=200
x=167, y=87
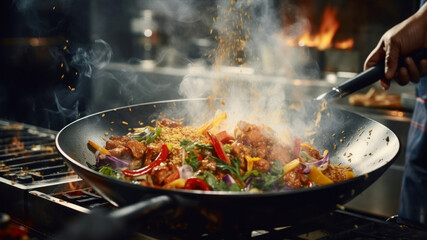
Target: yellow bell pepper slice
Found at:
x=349, y=175
x=97, y=147
x=306, y=144
x=291, y=165
x=325, y=152
x=178, y=183
x=219, y=116
x=250, y=162
x=317, y=177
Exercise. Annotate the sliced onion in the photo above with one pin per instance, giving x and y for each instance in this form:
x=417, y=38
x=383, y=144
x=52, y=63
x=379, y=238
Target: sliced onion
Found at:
x=248, y=182
x=228, y=179
x=321, y=164
x=112, y=161
x=185, y=172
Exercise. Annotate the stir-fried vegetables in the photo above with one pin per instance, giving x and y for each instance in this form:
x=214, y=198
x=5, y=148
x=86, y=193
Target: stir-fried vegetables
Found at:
x=147, y=169
x=219, y=116
x=174, y=156
x=318, y=177
x=218, y=148
x=99, y=148
x=147, y=134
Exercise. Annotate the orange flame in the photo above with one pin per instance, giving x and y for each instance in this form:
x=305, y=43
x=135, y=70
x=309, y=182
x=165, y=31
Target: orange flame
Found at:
x=73, y=186
x=323, y=39
x=345, y=44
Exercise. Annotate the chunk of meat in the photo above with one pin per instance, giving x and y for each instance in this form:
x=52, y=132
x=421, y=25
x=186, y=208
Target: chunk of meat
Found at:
x=170, y=123
x=135, y=164
x=294, y=178
x=251, y=132
x=121, y=152
x=111, y=144
x=152, y=151
x=253, y=136
x=114, y=142
x=207, y=164
x=311, y=151
x=262, y=165
x=117, y=147
x=161, y=172
x=281, y=153
x=237, y=148
x=240, y=150
x=173, y=176
x=336, y=173
x=137, y=148
x=261, y=143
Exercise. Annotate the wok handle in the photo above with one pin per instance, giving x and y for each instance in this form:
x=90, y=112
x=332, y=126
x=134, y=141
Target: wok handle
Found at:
x=119, y=224
x=142, y=208
x=368, y=77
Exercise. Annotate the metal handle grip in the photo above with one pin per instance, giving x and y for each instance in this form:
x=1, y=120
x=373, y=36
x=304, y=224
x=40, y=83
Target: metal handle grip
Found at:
x=368, y=77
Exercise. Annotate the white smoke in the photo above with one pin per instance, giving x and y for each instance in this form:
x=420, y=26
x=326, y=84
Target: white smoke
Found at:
x=97, y=56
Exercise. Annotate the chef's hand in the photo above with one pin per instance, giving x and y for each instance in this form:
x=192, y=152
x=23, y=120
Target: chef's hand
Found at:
x=402, y=39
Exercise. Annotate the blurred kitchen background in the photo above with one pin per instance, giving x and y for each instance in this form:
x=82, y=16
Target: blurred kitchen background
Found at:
x=62, y=59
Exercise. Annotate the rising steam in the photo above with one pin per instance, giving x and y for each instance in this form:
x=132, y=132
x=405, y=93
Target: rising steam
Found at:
x=97, y=56
x=248, y=35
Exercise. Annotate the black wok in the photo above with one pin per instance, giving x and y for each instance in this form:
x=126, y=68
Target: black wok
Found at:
x=352, y=140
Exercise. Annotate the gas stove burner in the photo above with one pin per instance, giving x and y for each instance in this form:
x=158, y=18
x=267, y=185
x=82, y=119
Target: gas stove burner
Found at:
x=28, y=157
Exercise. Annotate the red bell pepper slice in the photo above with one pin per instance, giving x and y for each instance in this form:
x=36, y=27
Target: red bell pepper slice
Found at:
x=196, y=184
x=218, y=148
x=224, y=137
x=159, y=159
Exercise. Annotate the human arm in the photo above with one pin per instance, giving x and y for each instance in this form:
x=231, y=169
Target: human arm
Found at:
x=402, y=39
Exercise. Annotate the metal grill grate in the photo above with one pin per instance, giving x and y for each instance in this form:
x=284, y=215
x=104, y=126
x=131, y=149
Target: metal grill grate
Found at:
x=28, y=155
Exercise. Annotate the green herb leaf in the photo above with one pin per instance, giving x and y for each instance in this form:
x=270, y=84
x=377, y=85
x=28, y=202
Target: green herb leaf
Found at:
x=190, y=146
x=305, y=155
x=271, y=179
x=192, y=160
x=109, y=171
x=147, y=135
x=216, y=185
x=276, y=169
x=233, y=169
x=106, y=170
x=227, y=148
x=254, y=173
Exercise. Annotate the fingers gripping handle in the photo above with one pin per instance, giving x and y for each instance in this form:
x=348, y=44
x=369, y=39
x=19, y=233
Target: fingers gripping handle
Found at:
x=368, y=77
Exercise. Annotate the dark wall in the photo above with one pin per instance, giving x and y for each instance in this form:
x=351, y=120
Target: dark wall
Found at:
x=37, y=41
